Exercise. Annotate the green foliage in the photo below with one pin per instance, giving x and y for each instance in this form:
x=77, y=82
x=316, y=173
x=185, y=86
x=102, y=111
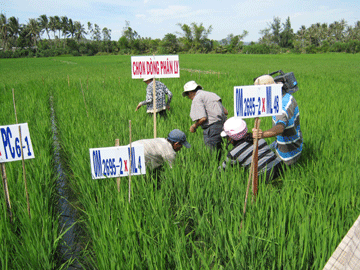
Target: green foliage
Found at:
x=187, y=217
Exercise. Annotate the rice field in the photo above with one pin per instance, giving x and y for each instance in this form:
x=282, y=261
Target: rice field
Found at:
x=187, y=217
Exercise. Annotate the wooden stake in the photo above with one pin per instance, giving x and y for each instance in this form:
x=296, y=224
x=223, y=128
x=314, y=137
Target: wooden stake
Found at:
x=253, y=172
x=6, y=190
x=118, y=181
x=84, y=99
x=22, y=159
x=255, y=161
x=68, y=80
x=130, y=161
x=154, y=106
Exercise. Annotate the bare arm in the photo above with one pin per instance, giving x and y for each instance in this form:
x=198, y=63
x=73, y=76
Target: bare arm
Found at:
x=197, y=123
x=272, y=132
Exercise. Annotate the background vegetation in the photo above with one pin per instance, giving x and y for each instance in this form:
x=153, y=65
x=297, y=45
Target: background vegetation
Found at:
x=187, y=217
x=59, y=35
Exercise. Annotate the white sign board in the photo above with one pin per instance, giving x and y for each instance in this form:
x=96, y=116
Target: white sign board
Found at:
x=109, y=162
x=159, y=66
x=257, y=100
x=10, y=147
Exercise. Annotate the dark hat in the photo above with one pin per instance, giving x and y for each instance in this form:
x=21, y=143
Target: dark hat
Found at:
x=177, y=135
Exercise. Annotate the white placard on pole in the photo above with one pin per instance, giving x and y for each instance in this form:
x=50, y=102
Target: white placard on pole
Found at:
x=10, y=146
x=257, y=100
x=159, y=66
x=109, y=162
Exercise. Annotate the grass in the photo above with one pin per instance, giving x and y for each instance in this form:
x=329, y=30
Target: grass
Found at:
x=187, y=217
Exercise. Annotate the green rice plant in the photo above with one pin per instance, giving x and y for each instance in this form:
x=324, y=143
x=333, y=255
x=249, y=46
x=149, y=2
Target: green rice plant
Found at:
x=189, y=217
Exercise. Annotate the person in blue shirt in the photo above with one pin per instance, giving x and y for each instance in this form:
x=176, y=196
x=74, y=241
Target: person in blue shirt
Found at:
x=286, y=127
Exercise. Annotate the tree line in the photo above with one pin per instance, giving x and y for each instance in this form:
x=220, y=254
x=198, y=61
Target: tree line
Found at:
x=58, y=35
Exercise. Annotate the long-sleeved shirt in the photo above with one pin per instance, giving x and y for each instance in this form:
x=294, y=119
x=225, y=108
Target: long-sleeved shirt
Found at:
x=161, y=91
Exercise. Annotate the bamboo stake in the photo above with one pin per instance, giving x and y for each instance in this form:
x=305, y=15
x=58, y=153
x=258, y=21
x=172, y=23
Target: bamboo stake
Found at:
x=22, y=159
x=6, y=190
x=130, y=161
x=84, y=99
x=154, y=106
x=118, y=181
x=253, y=173
x=255, y=161
x=68, y=80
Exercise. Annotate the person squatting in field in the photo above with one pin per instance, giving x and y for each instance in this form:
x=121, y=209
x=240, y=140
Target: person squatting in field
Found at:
x=161, y=91
x=206, y=111
x=286, y=127
x=269, y=165
x=157, y=151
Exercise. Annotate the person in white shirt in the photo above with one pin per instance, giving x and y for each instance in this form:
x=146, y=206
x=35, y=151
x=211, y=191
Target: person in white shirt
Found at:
x=157, y=151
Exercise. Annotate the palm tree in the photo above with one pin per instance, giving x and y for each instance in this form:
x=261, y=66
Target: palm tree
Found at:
x=71, y=28
x=52, y=25
x=44, y=24
x=64, y=25
x=34, y=30
x=4, y=34
x=79, y=31
x=57, y=24
x=14, y=28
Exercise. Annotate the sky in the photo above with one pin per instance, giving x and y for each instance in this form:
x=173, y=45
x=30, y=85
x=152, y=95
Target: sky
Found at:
x=156, y=18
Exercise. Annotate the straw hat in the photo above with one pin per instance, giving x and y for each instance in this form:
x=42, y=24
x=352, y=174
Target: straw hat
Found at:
x=235, y=128
x=264, y=79
x=190, y=86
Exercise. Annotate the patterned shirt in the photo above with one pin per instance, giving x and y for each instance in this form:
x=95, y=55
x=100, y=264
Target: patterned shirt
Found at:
x=161, y=90
x=289, y=143
x=157, y=151
x=207, y=104
x=242, y=154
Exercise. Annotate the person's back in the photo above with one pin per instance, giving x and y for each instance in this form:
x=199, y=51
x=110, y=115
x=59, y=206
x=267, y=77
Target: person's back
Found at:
x=268, y=163
x=157, y=151
x=241, y=154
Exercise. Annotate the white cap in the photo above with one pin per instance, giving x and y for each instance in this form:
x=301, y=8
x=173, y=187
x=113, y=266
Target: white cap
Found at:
x=264, y=79
x=190, y=86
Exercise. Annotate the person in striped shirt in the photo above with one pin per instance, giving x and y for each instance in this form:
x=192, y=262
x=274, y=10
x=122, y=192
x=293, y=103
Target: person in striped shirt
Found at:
x=286, y=127
x=269, y=165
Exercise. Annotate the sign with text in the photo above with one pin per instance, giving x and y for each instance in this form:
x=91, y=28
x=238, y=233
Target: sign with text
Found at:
x=10, y=146
x=109, y=162
x=159, y=66
x=257, y=100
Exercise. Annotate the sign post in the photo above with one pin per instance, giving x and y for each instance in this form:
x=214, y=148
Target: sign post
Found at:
x=254, y=101
x=15, y=145
x=161, y=66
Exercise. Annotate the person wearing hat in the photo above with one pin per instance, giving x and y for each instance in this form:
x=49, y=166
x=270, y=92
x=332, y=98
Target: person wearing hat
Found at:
x=206, y=111
x=160, y=92
x=235, y=129
x=157, y=151
x=286, y=127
